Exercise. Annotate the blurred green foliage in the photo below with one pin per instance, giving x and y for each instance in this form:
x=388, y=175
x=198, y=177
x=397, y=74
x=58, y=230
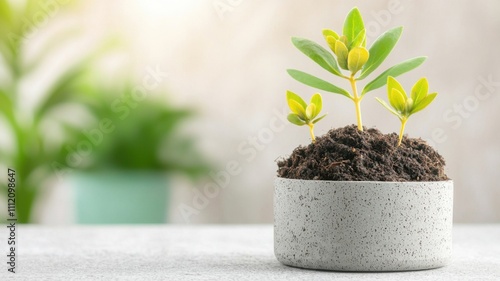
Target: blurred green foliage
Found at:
x=135, y=134
x=31, y=152
x=146, y=139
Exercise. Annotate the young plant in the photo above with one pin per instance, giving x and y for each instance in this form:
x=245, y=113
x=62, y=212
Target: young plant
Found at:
x=304, y=114
x=352, y=56
x=403, y=106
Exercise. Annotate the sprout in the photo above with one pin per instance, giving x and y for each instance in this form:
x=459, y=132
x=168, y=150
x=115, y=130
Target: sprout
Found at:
x=403, y=106
x=304, y=114
x=351, y=55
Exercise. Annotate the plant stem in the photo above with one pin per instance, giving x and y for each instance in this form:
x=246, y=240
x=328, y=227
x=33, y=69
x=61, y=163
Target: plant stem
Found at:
x=357, y=102
x=403, y=124
x=311, y=131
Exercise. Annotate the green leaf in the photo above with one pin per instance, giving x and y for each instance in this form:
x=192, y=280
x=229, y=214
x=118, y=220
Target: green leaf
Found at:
x=316, y=82
x=357, y=58
x=5, y=12
x=423, y=103
x=328, y=32
x=353, y=24
x=310, y=110
x=343, y=39
x=318, y=54
x=6, y=107
x=394, y=71
x=292, y=96
x=318, y=102
x=318, y=119
x=296, y=108
x=392, y=83
x=397, y=100
x=295, y=119
x=342, y=54
x=420, y=90
x=331, y=43
x=388, y=107
x=380, y=50
x=358, y=40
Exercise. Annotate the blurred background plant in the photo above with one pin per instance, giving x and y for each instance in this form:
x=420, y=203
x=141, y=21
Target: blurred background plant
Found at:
x=39, y=131
x=144, y=134
x=136, y=147
x=32, y=148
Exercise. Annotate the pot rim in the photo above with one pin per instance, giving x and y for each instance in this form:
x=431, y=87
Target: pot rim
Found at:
x=365, y=182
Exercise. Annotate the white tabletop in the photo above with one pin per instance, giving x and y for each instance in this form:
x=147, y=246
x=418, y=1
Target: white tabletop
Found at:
x=208, y=252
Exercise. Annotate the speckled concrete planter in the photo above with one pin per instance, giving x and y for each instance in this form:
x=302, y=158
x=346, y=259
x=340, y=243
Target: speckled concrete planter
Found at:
x=363, y=226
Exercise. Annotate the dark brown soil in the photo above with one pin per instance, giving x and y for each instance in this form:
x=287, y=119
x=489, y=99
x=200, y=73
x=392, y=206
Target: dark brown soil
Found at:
x=346, y=154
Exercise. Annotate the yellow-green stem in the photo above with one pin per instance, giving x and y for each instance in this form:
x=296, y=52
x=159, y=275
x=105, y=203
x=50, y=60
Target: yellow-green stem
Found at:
x=401, y=132
x=357, y=102
x=311, y=131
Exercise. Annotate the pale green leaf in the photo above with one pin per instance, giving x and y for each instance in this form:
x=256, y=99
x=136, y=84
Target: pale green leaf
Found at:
x=392, y=83
x=316, y=82
x=318, y=119
x=388, y=107
x=318, y=54
x=292, y=96
x=353, y=24
x=357, y=58
x=296, y=108
x=328, y=32
x=397, y=100
x=423, y=103
x=394, y=71
x=380, y=50
x=331, y=43
x=342, y=54
x=343, y=39
x=295, y=119
x=318, y=102
x=358, y=40
x=420, y=90
x=310, y=110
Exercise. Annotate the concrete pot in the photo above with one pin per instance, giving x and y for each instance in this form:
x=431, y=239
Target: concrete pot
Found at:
x=363, y=226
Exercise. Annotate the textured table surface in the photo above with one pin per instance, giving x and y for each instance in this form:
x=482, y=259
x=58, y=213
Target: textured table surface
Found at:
x=170, y=252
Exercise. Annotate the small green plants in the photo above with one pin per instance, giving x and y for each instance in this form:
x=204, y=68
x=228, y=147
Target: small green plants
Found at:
x=351, y=60
x=351, y=55
x=304, y=114
x=403, y=106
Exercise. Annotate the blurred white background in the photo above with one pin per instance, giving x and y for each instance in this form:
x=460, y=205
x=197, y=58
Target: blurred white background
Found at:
x=228, y=58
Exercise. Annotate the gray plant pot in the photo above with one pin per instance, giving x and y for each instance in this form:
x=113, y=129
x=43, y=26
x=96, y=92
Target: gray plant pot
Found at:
x=363, y=226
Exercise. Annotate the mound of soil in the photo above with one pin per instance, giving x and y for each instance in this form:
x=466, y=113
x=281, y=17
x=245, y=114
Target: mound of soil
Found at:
x=347, y=154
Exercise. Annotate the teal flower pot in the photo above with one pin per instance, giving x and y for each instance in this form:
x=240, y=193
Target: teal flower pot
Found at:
x=120, y=197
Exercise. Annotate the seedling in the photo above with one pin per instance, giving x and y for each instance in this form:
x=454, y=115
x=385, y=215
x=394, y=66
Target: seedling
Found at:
x=352, y=56
x=403, y=106
x=304, y=114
